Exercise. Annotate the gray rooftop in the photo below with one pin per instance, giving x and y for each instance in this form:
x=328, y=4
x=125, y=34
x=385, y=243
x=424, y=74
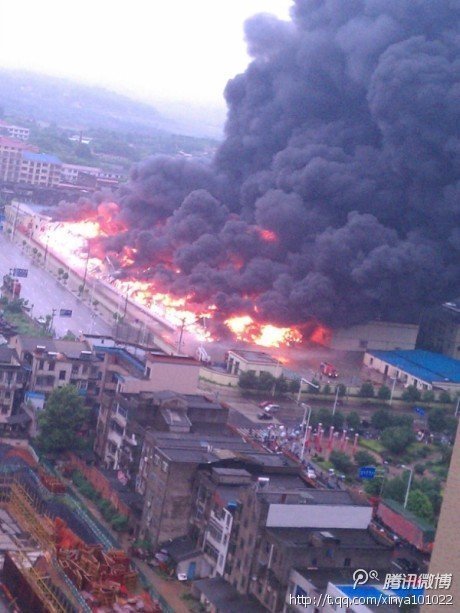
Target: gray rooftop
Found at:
x=259, y=357
x=346, y=538
x=225, y=598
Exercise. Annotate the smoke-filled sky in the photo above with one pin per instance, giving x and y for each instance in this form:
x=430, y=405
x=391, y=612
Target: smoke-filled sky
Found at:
x=335, y=194
x=151, y=49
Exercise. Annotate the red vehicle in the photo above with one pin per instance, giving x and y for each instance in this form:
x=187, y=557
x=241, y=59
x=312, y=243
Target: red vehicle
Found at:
x=329, y=370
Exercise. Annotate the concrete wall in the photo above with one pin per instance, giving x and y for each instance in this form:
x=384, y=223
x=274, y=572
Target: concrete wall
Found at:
x=218, y=377
x=375, y=335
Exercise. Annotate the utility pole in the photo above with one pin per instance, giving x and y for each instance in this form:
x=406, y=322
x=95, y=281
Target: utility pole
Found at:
x=336, y=400
x=306, y=423
x=179, y=345
x=393, y=390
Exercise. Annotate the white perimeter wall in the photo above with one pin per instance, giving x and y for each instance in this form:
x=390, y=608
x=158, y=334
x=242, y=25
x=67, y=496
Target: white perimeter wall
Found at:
x=318, y=516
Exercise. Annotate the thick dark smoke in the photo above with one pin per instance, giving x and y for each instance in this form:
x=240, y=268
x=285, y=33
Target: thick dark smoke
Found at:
x=342, y=138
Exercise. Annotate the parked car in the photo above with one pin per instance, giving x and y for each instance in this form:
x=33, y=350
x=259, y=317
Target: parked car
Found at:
x=264, y=416
x=272, y=408
x=311, y=473
x=264, y=404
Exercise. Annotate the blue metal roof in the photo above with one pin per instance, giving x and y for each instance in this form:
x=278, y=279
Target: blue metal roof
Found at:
x=42, y=158
x=425, y=365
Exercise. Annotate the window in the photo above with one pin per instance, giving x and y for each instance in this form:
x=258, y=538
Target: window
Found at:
x=75, y=370
x=347, y=562
x=164, y=467
x=314, y=562
x=51, y=365
x=41, y=364
x=156, y=459
x=62, y=375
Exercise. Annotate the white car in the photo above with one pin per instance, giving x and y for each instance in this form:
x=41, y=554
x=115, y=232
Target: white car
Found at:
x=272, y=408
x=311, y=473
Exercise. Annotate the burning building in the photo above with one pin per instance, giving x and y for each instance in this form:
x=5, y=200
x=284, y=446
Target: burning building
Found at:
x=334, y=196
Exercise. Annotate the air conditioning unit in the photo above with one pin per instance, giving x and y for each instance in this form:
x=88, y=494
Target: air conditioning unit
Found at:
x=263, y=481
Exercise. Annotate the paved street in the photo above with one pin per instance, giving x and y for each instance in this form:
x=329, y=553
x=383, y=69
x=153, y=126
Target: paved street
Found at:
x=46, y=293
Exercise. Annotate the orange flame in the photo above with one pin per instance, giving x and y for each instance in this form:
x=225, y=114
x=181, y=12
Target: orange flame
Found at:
x=73, y=241
x=268, y=236
x=266, y=335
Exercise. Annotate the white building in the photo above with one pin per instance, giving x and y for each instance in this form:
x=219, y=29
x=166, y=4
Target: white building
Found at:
x=40, y=169
x=73, y=173
x=422, y=369
x=17, y=132
x=243, y=360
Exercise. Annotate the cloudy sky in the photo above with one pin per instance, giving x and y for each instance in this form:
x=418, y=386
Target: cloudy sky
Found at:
x=152, y=49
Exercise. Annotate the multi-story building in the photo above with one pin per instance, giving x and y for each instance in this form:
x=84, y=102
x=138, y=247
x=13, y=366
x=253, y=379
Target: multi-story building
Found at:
x=173, y=505
x=280, y=525
x=11, y=385
x=124, y=418
x=440, y=330
x=53, y=363
x=11, y=152
x=16, y=132
x=40, y=169
x=75, y=174
x=216, y=496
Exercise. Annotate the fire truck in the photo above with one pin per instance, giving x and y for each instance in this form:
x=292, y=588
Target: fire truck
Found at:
x=329, y=370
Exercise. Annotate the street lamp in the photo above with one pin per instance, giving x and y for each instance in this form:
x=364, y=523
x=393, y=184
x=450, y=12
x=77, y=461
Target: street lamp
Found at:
x=411, y=471
x=302, y=380
x=336, y=400
x=393, y=390
x=306, y=423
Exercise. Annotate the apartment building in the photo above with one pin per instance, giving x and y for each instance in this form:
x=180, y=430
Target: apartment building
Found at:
x=280, y=525
x=52, y=363
x=76, y=174
x=11, y=386
x=170, y=500
x=11, y=152
x=13, y=131
x=124, y=418
x=40, y=169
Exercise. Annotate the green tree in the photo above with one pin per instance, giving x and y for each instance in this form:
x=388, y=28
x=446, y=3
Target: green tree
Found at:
x=266, y=382
x=384, y=393
x=341, y=461
x=342, y=390
x=61, y=420
x=325, y=418
x=451, y=424
x=367, y=390
x=420, y=505
x=411, y=394
x=436, y=420
x=444, y=397
x=397, y=439
x=248, y=380
x=281, y=385
x=364, y=458
x=428, y=396
x=294, y=386
x=381, y=419
x=338, y=420
x=395, y=489
x=327, y=389
x=353, y=420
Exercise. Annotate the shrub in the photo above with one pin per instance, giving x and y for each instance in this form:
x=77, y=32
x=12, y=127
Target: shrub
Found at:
x=411, y=394
x=367, y=390
x=384, y=393
x=428, y=396
x=397, y=439
x=364, y=458
x=341, y=461
x=445, y=397
x=119, y=523
x=419, y=469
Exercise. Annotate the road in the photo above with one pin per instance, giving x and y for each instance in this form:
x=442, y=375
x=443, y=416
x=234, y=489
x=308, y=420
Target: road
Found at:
x=45, y=293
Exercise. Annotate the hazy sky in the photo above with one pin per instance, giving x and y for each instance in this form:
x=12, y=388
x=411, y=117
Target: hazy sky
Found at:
x=168, y=49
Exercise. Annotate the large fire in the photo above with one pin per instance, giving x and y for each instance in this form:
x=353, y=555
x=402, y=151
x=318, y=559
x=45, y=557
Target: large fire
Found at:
x=73, y=241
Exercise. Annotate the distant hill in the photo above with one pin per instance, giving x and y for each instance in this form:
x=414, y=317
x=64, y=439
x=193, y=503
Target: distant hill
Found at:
x=77, y=106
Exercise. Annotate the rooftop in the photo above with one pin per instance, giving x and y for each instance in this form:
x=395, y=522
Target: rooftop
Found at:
x=259, y=357
x=225, y=598
x=8, y=355
x=71, y=349
x=300, y=493
x=346, y=538
x=425, y=365
x=427, y=528
x=40, y=158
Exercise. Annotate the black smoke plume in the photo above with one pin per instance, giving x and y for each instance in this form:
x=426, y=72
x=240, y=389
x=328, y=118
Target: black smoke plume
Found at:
x=342, y=139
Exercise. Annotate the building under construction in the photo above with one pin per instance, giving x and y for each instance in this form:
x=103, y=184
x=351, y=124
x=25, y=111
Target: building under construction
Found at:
x=51, y=562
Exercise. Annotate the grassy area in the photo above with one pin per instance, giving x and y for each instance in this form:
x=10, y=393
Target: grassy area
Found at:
x=372, y=445
x=25, y=324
